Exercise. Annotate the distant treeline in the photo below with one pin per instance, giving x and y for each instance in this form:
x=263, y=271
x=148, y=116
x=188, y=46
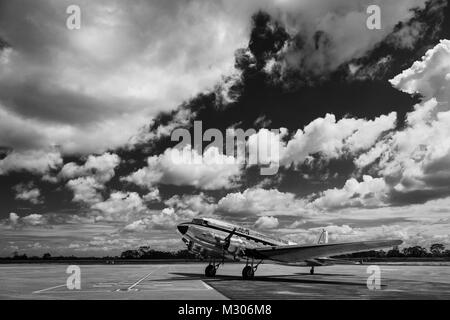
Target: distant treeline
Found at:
x=145, y=252
x=436, y=250
x=141, y=253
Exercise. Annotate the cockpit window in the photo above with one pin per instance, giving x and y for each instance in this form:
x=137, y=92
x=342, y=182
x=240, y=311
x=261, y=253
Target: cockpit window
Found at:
x=197, y=221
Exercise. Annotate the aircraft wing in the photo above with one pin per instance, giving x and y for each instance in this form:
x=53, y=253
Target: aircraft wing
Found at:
x=296, y=253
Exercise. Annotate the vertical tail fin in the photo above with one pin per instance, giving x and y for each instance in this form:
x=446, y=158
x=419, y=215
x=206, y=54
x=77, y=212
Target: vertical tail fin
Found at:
x=323, y=237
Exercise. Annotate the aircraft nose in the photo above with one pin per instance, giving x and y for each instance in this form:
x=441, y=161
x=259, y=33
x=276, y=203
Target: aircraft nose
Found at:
x=182, y=228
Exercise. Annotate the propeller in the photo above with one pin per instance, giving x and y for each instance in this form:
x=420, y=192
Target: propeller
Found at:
x=227, y=240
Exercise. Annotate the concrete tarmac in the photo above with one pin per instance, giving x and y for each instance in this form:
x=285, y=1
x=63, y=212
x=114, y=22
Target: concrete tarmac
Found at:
x=186, y=281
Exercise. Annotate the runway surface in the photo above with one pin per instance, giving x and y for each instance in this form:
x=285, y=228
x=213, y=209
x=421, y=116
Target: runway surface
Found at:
x=186, y=281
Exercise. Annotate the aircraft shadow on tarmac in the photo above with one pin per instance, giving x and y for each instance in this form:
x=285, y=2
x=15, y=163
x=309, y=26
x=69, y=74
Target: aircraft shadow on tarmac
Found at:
x=271, y=278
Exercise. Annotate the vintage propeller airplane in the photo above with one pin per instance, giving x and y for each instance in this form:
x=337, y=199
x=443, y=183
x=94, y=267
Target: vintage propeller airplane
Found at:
x=217, y=240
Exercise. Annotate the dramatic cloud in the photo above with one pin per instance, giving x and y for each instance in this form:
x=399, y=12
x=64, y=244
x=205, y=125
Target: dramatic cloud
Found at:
x=37, y=162
x=165, y=219
x=333, y=138
x=179, y=209
x=99, y=167
x=416, y=160
x=32, y=220
x=429, y=77
x=212, y=170
x=27, y=192
x=326, y=136
x=120, y=206
x=126, y=63
x=192, y=205
x=368, y=193
x=80, y=111
x=90, y=177
x=152, y=195
x=86, y=190
x=260, y=202
x=329, y=32
x=129, y=61
x=266, y=223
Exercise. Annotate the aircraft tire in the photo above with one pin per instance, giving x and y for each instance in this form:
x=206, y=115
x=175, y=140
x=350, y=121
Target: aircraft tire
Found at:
x=210, y=271
x=248, y=273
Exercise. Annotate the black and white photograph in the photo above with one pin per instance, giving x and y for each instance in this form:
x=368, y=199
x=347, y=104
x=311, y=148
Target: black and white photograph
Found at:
x=226, y=150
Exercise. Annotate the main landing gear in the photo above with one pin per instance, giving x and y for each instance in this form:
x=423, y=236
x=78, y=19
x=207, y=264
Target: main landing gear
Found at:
x=248, y=272
x=211, y=268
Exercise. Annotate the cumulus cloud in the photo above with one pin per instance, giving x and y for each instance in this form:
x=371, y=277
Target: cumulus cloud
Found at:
x=371, y=192
x=27, y=192
x=332, y=139
x=87, y=180
x=328, y=137
x=35, y=161
x=120, y=206
x=31, y=220
x=152, y=195
x=266, y=223
x=209, y=171
x=13, y=218
x=86, y=190
x=99, y=167
x=415, y=161
x=261, y=202
x=179, y=209
x=430, y=76
x=191, y=205
x=34, y=220
x=136, y=226
x=165, y=219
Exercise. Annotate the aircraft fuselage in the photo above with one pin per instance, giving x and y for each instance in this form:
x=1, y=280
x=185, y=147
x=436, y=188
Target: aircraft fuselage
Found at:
x=208, y=237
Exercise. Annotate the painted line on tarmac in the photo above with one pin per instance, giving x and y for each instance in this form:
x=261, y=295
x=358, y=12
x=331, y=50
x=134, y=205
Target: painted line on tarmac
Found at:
x=82, y=291
x=141, y=279
x=46, y=289
x=207, y=286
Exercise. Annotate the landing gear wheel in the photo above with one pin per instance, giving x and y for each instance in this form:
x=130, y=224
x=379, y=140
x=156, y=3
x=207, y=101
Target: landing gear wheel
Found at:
x=248, y=273
x=210, y=271
x=311, y=271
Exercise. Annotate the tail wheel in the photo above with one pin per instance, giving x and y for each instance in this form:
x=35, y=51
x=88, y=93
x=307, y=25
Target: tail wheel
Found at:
x=210, y=271
x=248, y=273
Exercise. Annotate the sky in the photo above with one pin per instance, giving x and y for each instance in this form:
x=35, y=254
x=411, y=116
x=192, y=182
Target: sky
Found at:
x=86, y=116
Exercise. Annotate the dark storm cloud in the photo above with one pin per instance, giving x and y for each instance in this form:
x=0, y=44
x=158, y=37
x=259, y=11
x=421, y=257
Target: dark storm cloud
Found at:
x=3, y=44
x=59, y=105
x=287, y=75
x=300, y=98
x=294, y=98
x=297, y=98
x=407, y=43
